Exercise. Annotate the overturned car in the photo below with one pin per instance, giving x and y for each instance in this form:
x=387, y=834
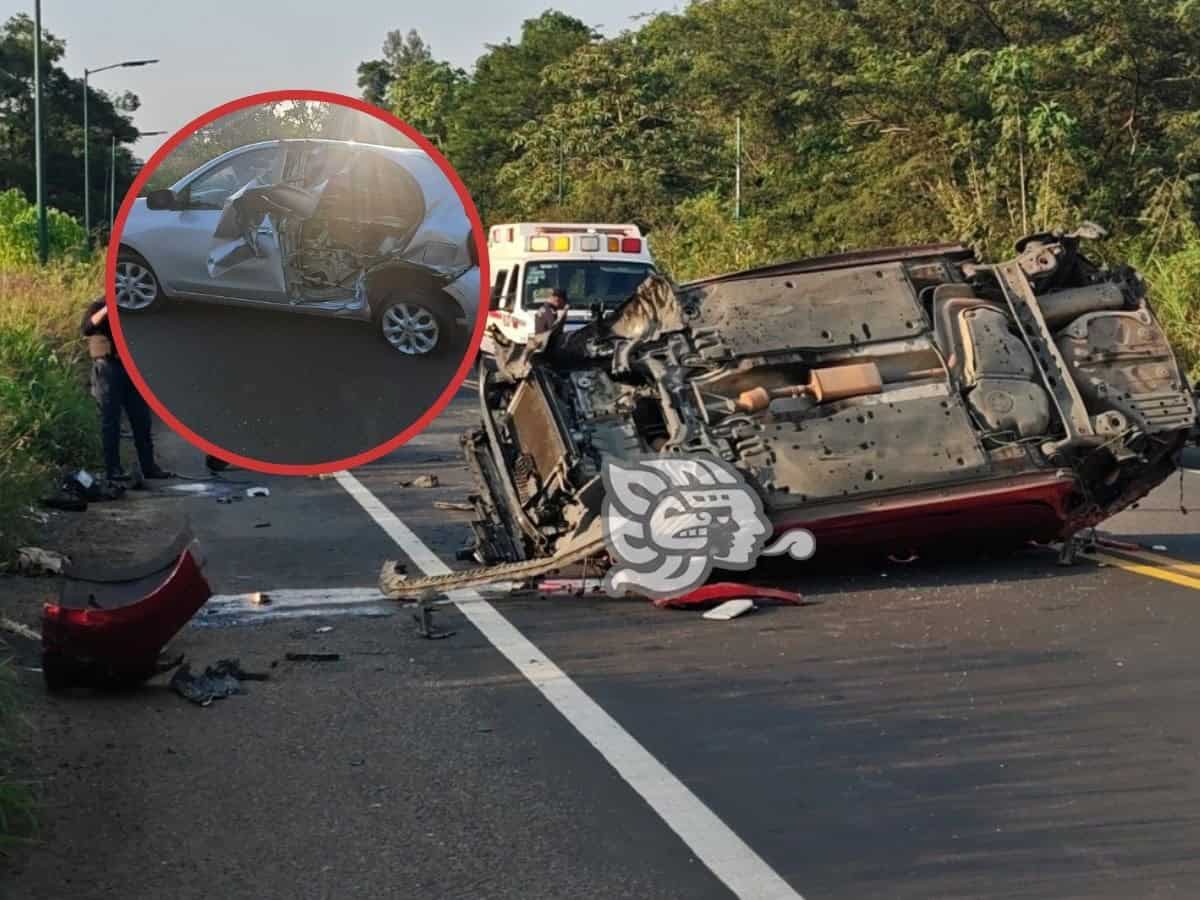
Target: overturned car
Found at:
x=322, y=227
x=889, y=399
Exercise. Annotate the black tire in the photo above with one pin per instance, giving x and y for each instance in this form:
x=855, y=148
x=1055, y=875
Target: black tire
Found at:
x=406, y=317
x=137, y=286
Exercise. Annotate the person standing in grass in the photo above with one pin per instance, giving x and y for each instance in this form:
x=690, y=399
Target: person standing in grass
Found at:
x=114, y=390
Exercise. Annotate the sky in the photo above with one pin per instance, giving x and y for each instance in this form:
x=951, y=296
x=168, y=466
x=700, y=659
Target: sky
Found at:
x=213, y=51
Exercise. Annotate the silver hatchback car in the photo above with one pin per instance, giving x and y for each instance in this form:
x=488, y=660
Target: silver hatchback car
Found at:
x=320, y=227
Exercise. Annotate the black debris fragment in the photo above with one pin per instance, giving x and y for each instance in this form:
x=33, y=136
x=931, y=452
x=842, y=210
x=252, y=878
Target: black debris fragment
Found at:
x=223, y=679
x=312, y=657
x=424, y=619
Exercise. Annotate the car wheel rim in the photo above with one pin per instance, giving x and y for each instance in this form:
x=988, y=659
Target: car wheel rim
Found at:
x=136, y=286
x=411, y=329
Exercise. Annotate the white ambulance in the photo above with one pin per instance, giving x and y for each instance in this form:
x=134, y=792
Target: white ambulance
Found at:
x=597, y=265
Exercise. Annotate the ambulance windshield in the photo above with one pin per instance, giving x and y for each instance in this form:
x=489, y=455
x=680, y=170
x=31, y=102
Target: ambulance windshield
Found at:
x=585, y=281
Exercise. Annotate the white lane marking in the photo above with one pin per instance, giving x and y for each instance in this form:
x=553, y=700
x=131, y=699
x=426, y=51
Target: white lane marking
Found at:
x=301, y=597
x=219, y=620
x=295, y=603
x=716, y=845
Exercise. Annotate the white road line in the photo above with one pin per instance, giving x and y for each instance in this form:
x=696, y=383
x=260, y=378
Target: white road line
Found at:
x=295, y=603
x=716, y=845
x=301, y=597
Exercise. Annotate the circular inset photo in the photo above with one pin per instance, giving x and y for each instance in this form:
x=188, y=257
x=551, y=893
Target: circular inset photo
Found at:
x=294, y=282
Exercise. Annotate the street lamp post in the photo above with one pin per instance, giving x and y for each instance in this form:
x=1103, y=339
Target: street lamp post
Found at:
x=87, y=181
x=39, y=162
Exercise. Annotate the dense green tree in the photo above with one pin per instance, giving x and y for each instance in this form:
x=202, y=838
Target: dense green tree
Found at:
x=506, y=92
x=863, y=121
x=400, y=51
x=426, y=95
x=62, y=117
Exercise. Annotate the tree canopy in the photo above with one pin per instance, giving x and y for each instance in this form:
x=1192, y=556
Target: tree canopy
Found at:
x=864, y=122
x=62, y=118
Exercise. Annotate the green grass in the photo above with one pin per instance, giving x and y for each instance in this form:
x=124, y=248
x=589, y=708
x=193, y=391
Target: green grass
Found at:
x=1175, y=294
x=47, y=418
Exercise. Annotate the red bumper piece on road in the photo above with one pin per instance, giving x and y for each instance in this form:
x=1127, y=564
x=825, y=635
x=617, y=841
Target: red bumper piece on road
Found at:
x=709, y=595
x=121, y=645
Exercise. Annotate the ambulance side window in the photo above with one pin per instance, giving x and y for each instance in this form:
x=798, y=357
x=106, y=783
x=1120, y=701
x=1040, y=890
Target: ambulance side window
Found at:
x=497, y=289
x=510, y=296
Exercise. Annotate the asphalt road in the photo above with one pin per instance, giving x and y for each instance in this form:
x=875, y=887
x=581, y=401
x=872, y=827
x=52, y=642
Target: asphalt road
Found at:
x=285, y=389
x=988, y=727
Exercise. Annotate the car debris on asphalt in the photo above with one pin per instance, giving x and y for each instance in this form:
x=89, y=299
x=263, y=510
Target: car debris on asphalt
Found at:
x=258, y=491
x=12, y=626
x=730, y=609
x=421, y=481
x=120, y=644
x=453, y=506
x=222, y=679
x=423, y=616
x=36, y=561
x=312, y=657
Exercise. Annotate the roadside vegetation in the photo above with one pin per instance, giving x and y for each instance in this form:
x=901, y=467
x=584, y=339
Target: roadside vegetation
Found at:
x=862, y=124
x=47, y=418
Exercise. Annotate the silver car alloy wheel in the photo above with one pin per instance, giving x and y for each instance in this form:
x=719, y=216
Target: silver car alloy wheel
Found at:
x=410, y=328
x=136, y=285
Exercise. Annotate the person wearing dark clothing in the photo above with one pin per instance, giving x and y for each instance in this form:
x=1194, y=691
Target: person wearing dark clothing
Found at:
x=553, y=311
x=114, y=391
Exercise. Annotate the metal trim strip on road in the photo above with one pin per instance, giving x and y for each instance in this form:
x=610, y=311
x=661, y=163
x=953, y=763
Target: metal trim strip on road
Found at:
x=725, y=854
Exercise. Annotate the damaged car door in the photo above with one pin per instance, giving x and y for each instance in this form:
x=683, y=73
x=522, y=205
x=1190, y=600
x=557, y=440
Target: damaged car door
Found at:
x=247, y=259
x=202, y=204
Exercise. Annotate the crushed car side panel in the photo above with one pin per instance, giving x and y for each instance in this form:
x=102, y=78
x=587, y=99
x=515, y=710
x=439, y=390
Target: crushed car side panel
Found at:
x=340, y=214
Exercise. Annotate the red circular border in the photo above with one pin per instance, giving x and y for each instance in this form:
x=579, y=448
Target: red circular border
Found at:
x=110, y=271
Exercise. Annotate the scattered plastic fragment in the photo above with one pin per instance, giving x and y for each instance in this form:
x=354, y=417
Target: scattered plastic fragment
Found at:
x=14, y=627
x=421, y=481
x=258, y=492
x=730, y=609
x=324, y=629
x=260, y=598
x=453, y=505
x=312, y=657
x=36, y=561
x=1159, y=548
x=709, y=595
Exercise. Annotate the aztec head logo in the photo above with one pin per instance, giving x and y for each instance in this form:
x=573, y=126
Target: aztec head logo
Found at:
x=669, y=520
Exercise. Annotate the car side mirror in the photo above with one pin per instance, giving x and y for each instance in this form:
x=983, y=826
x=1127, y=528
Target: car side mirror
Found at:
x=162, y=199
